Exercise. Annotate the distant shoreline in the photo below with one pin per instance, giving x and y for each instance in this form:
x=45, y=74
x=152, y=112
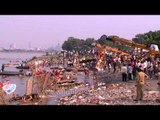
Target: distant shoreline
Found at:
x=22, y=51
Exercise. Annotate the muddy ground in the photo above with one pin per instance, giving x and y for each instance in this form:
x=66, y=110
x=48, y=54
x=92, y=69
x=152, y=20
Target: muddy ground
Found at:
x=105, y=89
x=110, y=90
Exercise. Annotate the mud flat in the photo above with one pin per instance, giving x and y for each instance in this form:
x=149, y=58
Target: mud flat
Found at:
x=112, y=91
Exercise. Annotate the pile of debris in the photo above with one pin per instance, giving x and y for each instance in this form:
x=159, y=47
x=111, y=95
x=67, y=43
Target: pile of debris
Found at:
x=111, y=94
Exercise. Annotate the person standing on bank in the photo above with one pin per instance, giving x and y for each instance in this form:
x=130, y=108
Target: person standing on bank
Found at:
x=2, y=69
x=140, y=80
x=124, y=73
x=130, y=72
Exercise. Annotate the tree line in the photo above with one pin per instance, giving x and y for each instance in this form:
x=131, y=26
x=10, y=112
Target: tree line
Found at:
x=76, y=44
x=151, y=37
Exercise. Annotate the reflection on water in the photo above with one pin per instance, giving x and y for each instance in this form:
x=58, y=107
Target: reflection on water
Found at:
x=13, y=57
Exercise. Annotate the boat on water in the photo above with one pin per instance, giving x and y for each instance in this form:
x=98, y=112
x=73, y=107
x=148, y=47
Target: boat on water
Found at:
x=22, y=67
x=10, y=73
x=10, y=65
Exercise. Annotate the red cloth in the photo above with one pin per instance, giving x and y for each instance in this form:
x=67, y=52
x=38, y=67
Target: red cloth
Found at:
x=1, y=84
x=58, y=74
x=53, y=71
x=132, y=64
x=38, y=72
x=87, y=70
x=99, y=56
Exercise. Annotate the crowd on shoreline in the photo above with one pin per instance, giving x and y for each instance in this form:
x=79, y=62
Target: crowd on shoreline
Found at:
x=93, y=61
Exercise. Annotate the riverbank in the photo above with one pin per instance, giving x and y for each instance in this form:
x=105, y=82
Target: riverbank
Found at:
x=99, y=88
x=110, y=90
x=40, y=84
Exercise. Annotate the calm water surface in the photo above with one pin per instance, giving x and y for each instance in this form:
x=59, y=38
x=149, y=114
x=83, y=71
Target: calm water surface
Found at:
x=14, y=57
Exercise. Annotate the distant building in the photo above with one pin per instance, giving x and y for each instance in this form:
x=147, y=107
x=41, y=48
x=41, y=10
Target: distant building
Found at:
x=32, y=49
x=40, y=49
x=13, y=46
x=1, y=49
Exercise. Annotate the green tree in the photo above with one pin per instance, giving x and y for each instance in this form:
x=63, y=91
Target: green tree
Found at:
x=148, y=38
x=78, y=44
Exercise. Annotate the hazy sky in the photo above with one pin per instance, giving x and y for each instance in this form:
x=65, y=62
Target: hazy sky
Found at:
x=47, y=30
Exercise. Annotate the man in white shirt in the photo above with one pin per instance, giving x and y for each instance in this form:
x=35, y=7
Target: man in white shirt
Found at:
x=124, y=73
x=138, y=64
x=145, y=66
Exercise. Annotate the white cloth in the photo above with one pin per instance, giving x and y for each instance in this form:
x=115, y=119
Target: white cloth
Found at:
x=145, y=64
x=138, y=64
x=124, y=69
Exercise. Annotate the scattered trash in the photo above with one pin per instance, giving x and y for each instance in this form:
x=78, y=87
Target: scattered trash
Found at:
x=80, y=97
x=111, y=94
x=9, y=88
x=36, y=103
x=42, y=96
x=153, y=92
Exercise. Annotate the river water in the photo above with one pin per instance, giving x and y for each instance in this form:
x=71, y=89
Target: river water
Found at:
x=13, y=57
x=17, y=57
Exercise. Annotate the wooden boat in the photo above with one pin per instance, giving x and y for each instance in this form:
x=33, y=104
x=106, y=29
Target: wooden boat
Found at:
x=10, y=73
x=22, y=67
x=10, y=65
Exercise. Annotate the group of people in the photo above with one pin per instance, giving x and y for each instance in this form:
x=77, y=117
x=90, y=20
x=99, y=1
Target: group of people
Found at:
x=134, y=68
x=131, y=68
